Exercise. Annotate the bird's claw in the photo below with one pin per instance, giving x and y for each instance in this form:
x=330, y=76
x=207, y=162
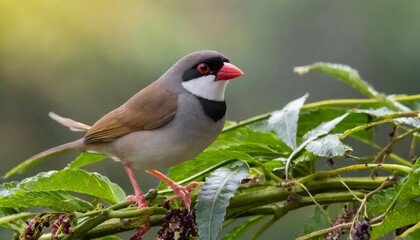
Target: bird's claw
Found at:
x=182, y=194
x=140, y=201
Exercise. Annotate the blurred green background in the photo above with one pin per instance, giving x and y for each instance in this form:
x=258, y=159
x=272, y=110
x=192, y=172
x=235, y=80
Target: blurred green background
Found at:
x=81, y=59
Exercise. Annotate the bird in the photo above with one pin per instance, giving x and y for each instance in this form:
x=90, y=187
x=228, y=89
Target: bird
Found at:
x=168, y=122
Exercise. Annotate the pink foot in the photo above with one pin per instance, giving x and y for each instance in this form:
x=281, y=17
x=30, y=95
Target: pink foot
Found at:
x=139, y=232
x=139, y=200
x=181, y=193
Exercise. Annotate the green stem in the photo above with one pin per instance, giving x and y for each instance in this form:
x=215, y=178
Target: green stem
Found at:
x=192, y=177
x=137, y=212
x=250, y=198
x=335, y=102
x=321, y=198
x=115, y=226
x=322, y=232
x=384, y=151
x=334, y=172
x=364, y=126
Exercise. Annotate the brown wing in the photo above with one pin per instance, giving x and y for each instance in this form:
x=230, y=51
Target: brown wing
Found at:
x=150, y=108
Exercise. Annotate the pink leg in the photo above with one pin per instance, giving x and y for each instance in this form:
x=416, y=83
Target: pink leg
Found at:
x=182, y=193
x=137, y=198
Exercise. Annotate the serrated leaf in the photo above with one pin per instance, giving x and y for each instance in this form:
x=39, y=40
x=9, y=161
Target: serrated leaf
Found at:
x=49, y=189
x=412, y=233
x=57, y=200
x=214, y=198
x=284, y=122
x=86, y=158
x=328, y=146
x=322, y=129
x=380, y=201
x=310, y=119
x=206, y=160
x=239, y=230
x=351, y=76
x=400, y=216
x=245, y=135
x=406, y=208
x=410, y=188
x=377, y=112
x=413, y=122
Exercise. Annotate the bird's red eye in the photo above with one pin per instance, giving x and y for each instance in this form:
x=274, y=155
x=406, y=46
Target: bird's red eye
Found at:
x=203, y=68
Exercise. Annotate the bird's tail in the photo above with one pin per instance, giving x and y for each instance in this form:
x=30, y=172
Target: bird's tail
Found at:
x=42, y=156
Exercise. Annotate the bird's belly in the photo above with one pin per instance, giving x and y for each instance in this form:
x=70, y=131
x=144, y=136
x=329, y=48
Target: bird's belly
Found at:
x=166, y=146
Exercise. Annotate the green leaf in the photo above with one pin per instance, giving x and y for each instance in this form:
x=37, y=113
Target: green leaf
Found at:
x=57, y=200
x=319, y=221
x=17, y=216
x=245, y=135
x=405, y=211
x=206, y=161
x=239, y=230
x=284, y=122
x=400, y=216
x=48, y=189
x=86, y=158
x=410, y=188
x=214, y=197
x=310, y=119
x=351, y=76
x=13, y=219
x=322, y=129
x=381, y=112
x=412, y=233
x=377, y=112
x=109, y=238
x=380, y=201
x=413, y=122
x=328, y=146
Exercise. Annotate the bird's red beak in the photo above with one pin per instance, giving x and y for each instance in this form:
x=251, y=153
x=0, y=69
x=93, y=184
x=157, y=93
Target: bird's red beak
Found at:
x=228, y=71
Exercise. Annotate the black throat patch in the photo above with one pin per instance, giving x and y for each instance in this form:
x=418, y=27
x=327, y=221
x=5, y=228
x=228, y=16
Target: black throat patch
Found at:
x=215, y=110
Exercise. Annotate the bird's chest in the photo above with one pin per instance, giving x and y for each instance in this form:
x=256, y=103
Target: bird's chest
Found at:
x=190, y=132
x=198, y=119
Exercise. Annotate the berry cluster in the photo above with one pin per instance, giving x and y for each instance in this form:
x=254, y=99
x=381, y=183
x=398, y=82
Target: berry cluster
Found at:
x=34, y=229
x=346, y=216
x=62, y=225
x=361, y=230
x=180, y=223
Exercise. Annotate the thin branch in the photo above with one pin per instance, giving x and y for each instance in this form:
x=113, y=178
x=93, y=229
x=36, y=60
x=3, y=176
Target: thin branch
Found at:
x=336, y=102
x=335, y=172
